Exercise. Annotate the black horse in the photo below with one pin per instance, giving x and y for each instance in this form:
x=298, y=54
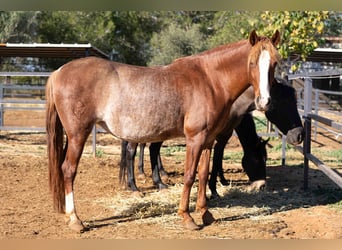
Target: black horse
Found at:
x=282, y=112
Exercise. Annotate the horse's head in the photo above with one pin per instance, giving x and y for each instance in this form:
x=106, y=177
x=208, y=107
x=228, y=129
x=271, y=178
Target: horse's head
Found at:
x=262, y=61
x=254, y=163
x=283, y=112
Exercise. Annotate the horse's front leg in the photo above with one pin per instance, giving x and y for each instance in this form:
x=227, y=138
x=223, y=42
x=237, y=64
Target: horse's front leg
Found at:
x=203, y=172
x=193, y=153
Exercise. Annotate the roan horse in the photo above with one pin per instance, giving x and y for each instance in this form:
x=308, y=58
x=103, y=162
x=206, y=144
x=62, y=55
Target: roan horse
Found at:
x=283, y=113
x=190, y=97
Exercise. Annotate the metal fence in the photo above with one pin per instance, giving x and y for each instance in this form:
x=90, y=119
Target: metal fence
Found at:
x=311, y=106
x=21, y=97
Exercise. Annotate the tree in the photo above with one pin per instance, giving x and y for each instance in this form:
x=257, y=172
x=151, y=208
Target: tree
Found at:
x=231, y=26
x=182, y=33
x=333, y=25
x=132, y=33
x=18, y=26
x=301, y=32
x=174, y=42
x=76, y=27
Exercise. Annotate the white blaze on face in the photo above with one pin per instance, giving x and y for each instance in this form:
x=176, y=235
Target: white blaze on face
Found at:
x=69, y=203
x=264, y=63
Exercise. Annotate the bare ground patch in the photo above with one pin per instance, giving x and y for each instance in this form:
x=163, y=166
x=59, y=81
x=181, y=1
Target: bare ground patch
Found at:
x=283, y=210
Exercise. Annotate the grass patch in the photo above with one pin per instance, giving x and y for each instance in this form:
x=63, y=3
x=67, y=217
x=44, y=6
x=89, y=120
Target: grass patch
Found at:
x=233, y=157
x=260, y=124
x=99, y=153
x=335, y=154
x=171, y=150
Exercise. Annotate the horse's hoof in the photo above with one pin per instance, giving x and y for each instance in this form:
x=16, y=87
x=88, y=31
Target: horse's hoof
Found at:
x=191, y=225
x=77, y=226
x=214, y=196
x=224, y=182
x=165, y=178
x=256, y=186
x=162, y=186
x=137, y=194
x=208, y=218
x=141, y=177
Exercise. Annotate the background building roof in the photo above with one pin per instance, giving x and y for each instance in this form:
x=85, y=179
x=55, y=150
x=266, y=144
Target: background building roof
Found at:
x=43, y=50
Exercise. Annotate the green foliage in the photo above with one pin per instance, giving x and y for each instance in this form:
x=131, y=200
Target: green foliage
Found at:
x=301, y=31
x=232, y=156
x=335, y=154
x=18, y=26
x=231, y=26
x=76, y=27
x=170, y=150
x=260, y=123
x=175, y=42
x=132, y=33
x=333, y=25
x=99, y=153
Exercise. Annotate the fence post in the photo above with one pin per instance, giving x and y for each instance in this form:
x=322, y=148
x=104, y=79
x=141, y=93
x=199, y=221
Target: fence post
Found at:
x=307, y=96
x=307, y=127
x=283, y=149
x=94, y=141
x=1, y=106
x=306, y=150
x=316, y=112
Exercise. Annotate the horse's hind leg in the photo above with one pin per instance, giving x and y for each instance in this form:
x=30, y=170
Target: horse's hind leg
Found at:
x=163, y=174
x=141, y=172
x=131, y=150
x=69, y=168
x=155, y=160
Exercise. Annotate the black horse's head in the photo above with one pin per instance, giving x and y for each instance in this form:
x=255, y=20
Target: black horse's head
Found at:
x=283, y=112
x=254, y=164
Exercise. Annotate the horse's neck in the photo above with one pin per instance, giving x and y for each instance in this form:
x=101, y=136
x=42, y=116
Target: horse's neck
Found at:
x=247, y=133
x=231, y=71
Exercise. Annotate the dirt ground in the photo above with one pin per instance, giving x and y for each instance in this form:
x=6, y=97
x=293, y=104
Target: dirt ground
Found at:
x=282, y=210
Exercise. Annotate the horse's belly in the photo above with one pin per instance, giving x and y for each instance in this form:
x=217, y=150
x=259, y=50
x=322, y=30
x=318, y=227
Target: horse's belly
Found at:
x=137, y=127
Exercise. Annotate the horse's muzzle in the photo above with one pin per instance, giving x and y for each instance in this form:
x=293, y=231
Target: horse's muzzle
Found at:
x=262, y=103
x=295, y=136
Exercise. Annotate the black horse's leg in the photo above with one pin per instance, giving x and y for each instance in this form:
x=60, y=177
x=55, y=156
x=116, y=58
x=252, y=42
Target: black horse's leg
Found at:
x=155, y=159
x=217, y=164
x=130, y=155
x=164, y=175
x=141, y=172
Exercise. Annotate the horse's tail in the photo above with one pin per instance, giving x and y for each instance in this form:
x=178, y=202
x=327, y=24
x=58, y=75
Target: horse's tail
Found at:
x=123, y=163
x=56, y=154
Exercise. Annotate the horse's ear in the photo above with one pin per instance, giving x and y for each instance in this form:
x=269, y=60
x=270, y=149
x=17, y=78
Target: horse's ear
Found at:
x=253, y=38
x=265, y=141
x=276, y=38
